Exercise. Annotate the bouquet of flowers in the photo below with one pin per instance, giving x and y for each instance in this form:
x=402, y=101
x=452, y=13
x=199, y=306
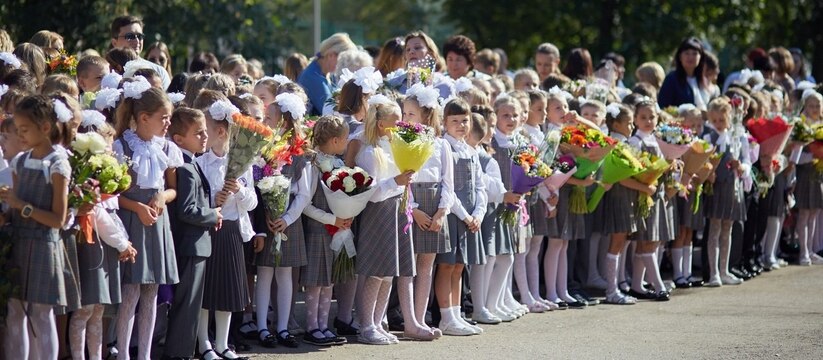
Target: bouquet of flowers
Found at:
x=63, y=63
x=527, y=171
x=597, y=90
x=771, y=134
x=563, y=168
x=654, y=168
x=673, y=140
x=575, y=87
x=548, y=148
x=816, y=147
x=247, y=137
x=420, y=71
x=274, y=189
x=619, y=165
x=589, y=147
x=411, y=146
x=697, y=155
x=95, y=176
x=801, y=131
x=348, y=191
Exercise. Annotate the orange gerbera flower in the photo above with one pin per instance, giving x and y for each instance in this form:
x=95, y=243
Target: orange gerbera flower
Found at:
x=578, y=140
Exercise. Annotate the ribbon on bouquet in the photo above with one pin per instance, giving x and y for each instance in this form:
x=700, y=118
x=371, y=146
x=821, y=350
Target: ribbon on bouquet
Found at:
x=409, y=218
x=524, y=212
x=343, y=239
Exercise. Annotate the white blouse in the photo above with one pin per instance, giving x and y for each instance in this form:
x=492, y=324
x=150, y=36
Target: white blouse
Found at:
x=536, y=136
x=149, y=161
x=382, y=171
x=109, y=230
x=464, y=151
x=321, y=216
x=439, y=169
x=492, y=180
x=302, y=194
x=56, y=162
x=237, y=205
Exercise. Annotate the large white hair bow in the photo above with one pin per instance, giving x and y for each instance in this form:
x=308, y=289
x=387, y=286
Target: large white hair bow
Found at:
x=368, y=79
x=107, y=98
x=223, y=110
x=426, y=96
x=10, y=59
x=135, y=89
x=111, y=81
x=291, y=103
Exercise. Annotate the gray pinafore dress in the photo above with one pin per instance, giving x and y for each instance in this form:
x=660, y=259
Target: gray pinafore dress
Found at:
x=292, y=250
x=320, y=257
x=466, y=246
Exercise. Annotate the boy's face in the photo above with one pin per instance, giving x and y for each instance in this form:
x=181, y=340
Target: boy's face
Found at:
x=10, y=143
x=195, y=138
x=89, y=80
x=592, y=114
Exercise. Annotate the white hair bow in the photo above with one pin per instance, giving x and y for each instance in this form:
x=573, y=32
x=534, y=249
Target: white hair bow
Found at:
x=135, y=89
x=176, y=97
x=345, y=76
x=613, y=110
x=280, y=79
x=557, y=91
x=10, y=59
x=3, y=89
x=462, y=84
x=426, y=96
x=685, y=108
x=291, y=103
x=223, y=110
x=111, y=81
x=368, y=79
x=107, y=98
x=93, y=118
x=380, y=99
x=62, y=111
x=805, y=84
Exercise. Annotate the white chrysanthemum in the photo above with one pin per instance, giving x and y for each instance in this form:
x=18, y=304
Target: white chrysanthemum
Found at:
x=266, y=184
x=223, y=110
x=62, y=111
x=135, y=89
x=281, y=182
x=291, y=103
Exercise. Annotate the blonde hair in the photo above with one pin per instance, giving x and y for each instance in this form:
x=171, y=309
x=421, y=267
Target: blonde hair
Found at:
x=428, y=116
x=194, y=85
x=507, y=101
x=337, y=43
x=519, y=74
x=720, y=104
x=327, y=128
x=62, y=83
x=475, y=96
x=231, y=61
x=6, y=45
x=295, y=64
x=46, y=39
x=435, y=54
x=601, y=109
x=650, y=72
x=371, y=132
x=35, y=60
x=222, y=83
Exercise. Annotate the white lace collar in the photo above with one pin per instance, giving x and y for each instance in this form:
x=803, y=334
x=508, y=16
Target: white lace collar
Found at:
x=149, y=161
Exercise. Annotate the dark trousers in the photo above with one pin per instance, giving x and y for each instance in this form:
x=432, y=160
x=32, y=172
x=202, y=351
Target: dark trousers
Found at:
x=181, y=336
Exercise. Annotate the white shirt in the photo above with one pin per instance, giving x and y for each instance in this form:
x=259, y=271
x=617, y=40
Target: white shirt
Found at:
x=643, y=138
x=536, y=136
x=439, y=169
x=237, y=205
x=321, y=216
x=461, y=150
x=492, y=180
x=699, y=100
x=302, y=194
x=382, y=171
x=149, y=161
x=503, y=140
x=109, y=230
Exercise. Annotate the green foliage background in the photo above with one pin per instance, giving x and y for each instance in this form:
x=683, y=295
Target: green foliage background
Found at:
x=270, y=29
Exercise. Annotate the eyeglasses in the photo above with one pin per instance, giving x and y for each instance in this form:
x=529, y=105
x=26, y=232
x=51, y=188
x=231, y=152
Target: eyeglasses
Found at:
x=133, y=36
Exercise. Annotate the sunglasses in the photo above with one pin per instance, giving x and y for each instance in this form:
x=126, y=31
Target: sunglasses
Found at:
x=133, y=36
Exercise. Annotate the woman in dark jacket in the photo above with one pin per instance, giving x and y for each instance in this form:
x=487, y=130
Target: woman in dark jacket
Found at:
x=685, y=83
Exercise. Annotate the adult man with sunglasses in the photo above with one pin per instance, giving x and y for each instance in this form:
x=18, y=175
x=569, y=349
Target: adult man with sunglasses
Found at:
x=127, y=32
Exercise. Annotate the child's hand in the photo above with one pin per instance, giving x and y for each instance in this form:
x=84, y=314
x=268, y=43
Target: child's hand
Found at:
x=553, y=198
x=511, y=198
x=588, y=181
x=422, y=220
x=147, y=214
x=342, y=223
x=7, y=196
x=472, y=223
x=404, y=178
x=259, y=242
x=553, y=213
x=570, y=117
x=437, y=220
x=650, y=190
x=85, y=209
x=231, y=186
x=606, y=186
x=219, y=219
x=276, y=226
x=476, y=225
x=221, y=197
x=158, y=203
x=128, y=255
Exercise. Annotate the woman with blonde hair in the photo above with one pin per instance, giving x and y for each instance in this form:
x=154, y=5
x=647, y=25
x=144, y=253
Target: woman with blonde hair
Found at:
x=315, y=77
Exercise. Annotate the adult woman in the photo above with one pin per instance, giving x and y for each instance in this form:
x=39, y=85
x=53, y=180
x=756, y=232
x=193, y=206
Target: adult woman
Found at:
x=47, y=40
x=684, y=85
x=158, y=53
x=783, y=67
x=799, y=72
x=418, y=46
x=314, y=80
x=579, y=65
x=459, y=51
x=391, y=55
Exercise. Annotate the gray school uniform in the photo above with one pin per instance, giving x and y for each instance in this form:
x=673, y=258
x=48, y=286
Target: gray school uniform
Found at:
x=466, y=246
x=505, y=236
x=224, y=285
x=99, y=271
x=71, y=274
x=382, y=248
x=427, y=197
x=38, y=252
x=809, y=188
x=293, y=250
x=727, y=201
x=569, y=226
x=156, y=262
x=488, y=228
x=320, y=257
x=659, y=226
x=687, y=217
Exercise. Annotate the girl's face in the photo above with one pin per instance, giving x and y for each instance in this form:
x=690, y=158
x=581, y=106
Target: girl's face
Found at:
x=507, y=118
x=645, y=119
x=256, y=111
x=690, y=58
x=592, y=114
x=264, y=94
x=557, y=109
x=458, y=126
x=524, y=113
x=387, y=123
x=812, y=108
x=457, y=65
x=711, y=75
x=11, y=144
x=238, y=71
x=720, y=120
x=30, y=133
x=158, y=57
x=693, y=121
x=412, y=112
x=217, y=136
x=624, y=127
x=416, y=49
x=526, y=83
x=273, y=117
x=537, y=113
x=158, y=122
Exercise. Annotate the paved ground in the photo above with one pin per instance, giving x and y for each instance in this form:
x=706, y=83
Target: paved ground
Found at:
x=777, y=315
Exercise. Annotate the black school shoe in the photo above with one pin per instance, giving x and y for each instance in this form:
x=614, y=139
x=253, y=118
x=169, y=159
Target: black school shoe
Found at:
x=580, y=294
x=662, y=296
x=646, y=295
x=316, y=337
x=286, y=339
x=344, y=329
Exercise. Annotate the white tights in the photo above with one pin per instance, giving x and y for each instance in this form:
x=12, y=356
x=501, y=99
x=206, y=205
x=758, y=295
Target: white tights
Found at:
x=147, y=295
x=498, y=281
x=262, y=295
x=806, y=228
x=318, y=304
x=86, y=327
x=719, y=247
x=44, y=330
x=555, y=268
x=528, y=275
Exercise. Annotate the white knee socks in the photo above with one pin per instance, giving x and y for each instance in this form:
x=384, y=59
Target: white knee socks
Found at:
x=612, y=261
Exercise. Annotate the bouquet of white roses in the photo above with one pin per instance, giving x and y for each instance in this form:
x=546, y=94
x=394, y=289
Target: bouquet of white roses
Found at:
x=275, y=193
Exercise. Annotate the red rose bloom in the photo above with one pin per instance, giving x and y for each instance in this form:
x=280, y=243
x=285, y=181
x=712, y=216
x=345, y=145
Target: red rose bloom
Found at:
x=359, y=178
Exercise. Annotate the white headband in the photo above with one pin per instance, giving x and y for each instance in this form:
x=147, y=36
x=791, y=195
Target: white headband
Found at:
x=62, y=111
x=223, y=110
x=106, y=98
x=291, y=103
x=10, y=59
x=613, y=110
x=111, y=81
x=93, y=118
x=426, y=96
x=135, y=89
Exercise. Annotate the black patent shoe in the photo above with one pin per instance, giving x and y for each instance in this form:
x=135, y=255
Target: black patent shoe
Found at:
x=287, y=339
x=266, y=339
x=345, y=329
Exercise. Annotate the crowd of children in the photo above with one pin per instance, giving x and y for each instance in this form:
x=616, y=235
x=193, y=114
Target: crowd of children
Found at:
x=435, y=252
